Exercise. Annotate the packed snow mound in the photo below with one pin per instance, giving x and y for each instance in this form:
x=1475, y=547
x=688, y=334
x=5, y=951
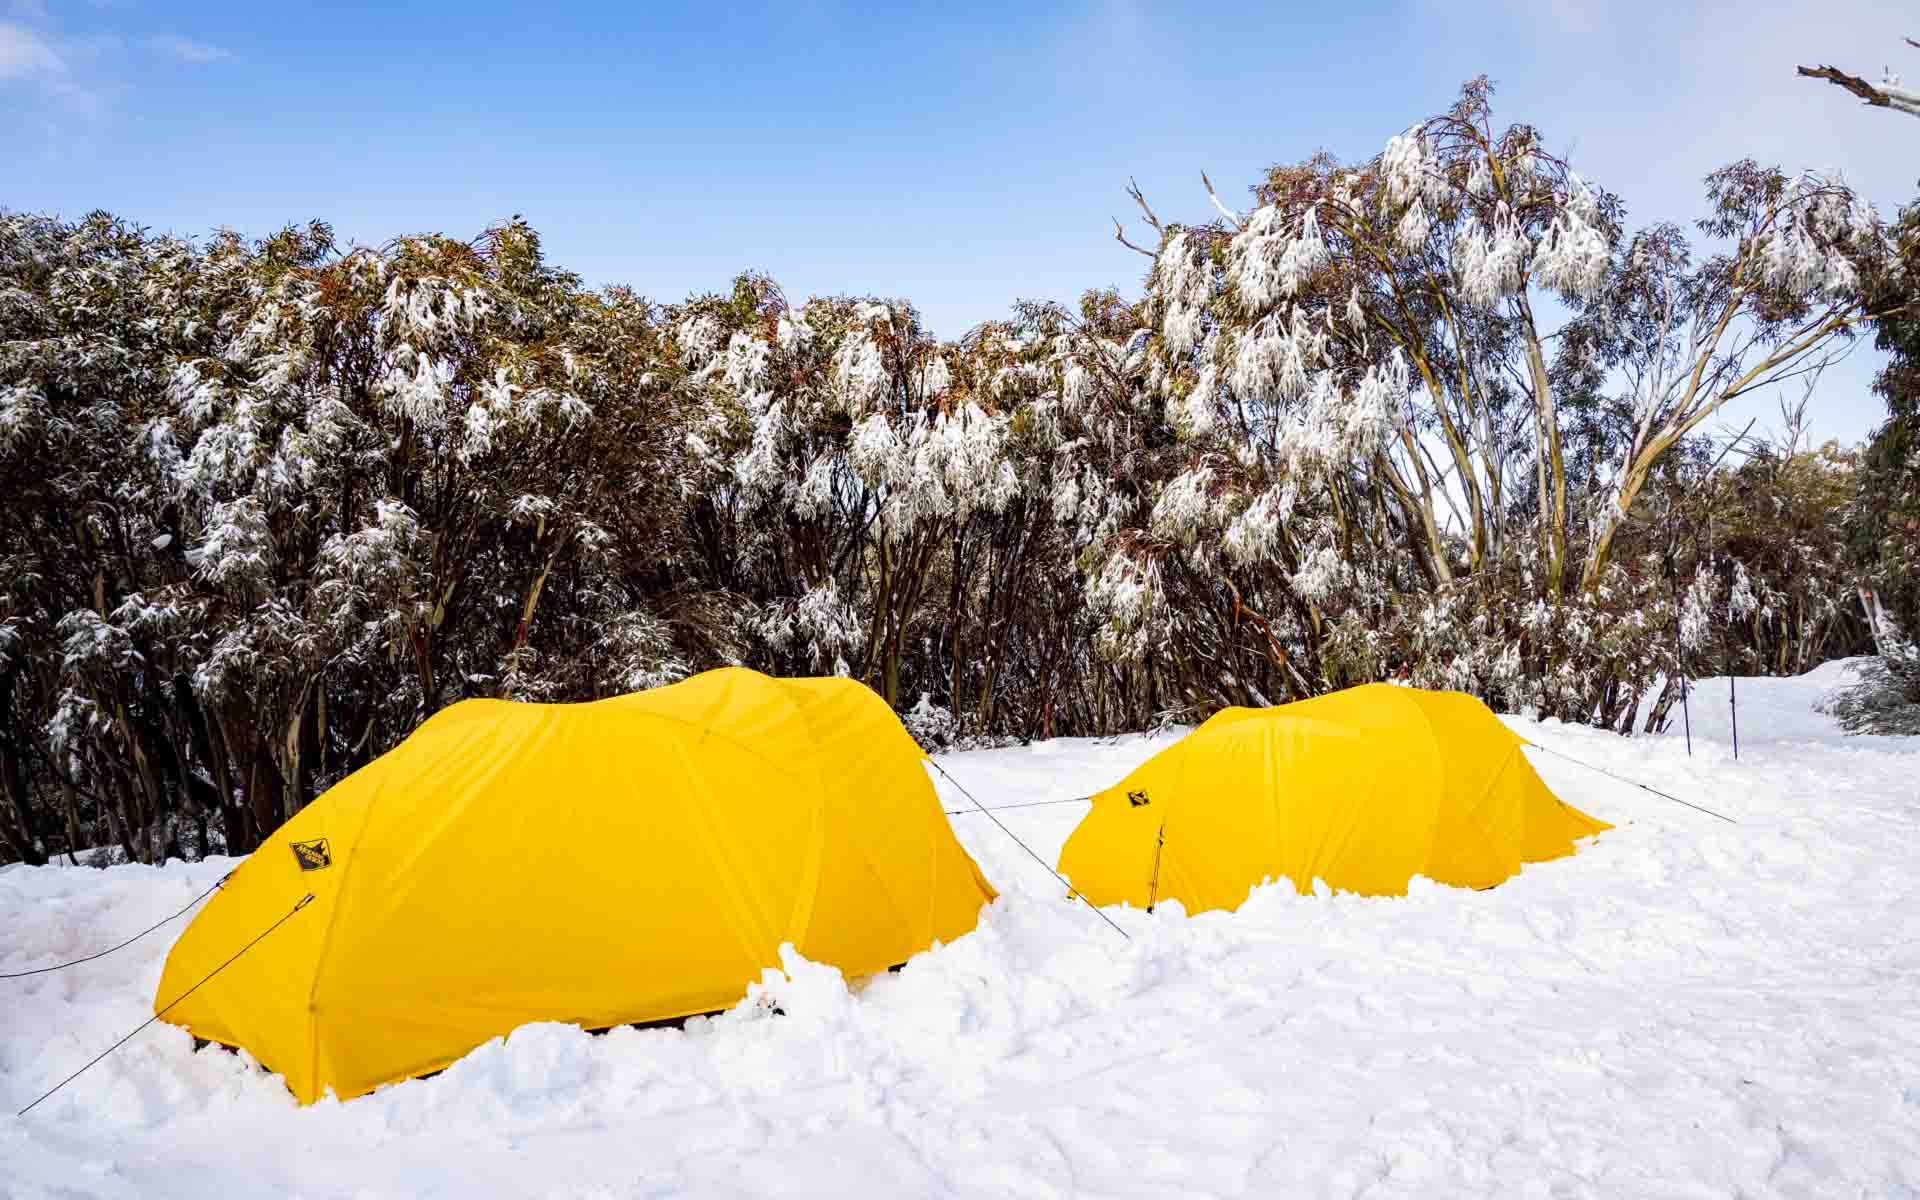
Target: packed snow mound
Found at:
x=1685, y=1007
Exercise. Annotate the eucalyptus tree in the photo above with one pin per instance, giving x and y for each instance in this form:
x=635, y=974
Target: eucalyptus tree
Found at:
x=1396, y=345
x=1436, y=416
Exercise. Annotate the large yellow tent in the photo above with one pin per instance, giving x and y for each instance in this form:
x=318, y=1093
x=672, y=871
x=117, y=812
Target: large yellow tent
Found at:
x=626, y=860
x=1363, y=789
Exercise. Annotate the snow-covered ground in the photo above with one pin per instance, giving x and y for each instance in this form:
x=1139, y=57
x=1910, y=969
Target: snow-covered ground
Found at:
x=1685, y=1008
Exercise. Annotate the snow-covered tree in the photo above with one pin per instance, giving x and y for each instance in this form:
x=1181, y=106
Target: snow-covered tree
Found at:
x=308, y=496
x=1373, y=343
x=1437, y=415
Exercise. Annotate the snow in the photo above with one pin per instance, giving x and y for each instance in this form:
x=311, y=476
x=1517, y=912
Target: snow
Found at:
x=1685, y=1008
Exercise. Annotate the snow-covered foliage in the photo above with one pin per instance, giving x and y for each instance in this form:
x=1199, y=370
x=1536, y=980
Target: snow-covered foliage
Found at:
x=311, y=494
x=1884, y=697
x=932, y=725
x=269, y=504
x=1374, y=475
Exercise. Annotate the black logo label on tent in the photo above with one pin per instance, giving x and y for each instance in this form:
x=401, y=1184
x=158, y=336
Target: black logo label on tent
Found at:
x=1138, y=799
x=312, y=855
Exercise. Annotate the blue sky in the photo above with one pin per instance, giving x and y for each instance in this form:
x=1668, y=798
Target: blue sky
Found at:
x=958, y=155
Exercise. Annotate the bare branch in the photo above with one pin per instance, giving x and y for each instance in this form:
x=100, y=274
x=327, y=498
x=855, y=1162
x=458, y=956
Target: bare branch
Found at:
x=1733, y=443
x=1120, y=235
x=1133, y=189
x=1793, y=417
x=1233, y=218
x=1885, y=96
x=1852, y=83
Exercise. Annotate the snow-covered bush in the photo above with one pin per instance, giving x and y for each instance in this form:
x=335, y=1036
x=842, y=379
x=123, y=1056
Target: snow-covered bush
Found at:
x=1885, y=699
x=932, y=725
x=269, y=504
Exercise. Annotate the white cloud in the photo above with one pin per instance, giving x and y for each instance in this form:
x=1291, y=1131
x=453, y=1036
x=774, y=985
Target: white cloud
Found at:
x=62, y=72
x=187, y=50
x=25, y=56
x=43, y=68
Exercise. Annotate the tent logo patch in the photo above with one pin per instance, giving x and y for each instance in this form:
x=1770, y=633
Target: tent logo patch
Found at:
x=1138, y=799
x=313, y=855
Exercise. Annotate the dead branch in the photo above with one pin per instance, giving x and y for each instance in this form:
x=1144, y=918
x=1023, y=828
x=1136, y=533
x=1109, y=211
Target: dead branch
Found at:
x=1133, y=189
x=1889, y=96
x=1120, y=235
x=1853, y=83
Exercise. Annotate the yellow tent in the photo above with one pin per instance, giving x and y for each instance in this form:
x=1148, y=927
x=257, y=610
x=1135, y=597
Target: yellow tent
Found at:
x=1363, y=788
x=625, y=860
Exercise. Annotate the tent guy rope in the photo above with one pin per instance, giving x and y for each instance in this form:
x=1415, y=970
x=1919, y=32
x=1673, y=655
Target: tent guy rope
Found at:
x=158, y=1013
x=123, y=945
x=1636, y=783
x=960, y=812
x=1029, y=849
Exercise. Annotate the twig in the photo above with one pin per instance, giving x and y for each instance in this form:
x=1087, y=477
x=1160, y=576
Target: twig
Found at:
x=1120, y=235
x=1133, y=189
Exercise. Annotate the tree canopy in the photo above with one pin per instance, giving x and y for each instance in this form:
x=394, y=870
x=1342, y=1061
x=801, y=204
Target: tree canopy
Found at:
x=1439, y=414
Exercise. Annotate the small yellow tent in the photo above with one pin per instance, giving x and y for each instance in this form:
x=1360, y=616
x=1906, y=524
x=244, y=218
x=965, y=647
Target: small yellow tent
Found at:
x=1363, y=788
x=626, y=860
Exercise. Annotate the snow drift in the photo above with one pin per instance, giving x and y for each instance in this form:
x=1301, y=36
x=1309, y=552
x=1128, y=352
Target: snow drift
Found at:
x=1687, y=1007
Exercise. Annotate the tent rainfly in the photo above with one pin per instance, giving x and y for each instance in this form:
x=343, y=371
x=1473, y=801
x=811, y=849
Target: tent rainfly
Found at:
x=1362, y=789
x=625, y=860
